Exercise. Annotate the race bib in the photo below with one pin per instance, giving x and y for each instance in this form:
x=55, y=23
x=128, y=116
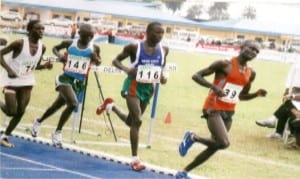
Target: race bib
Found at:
x=148, y=74
x=77, y=64
x=26, y=67
x=232, y=92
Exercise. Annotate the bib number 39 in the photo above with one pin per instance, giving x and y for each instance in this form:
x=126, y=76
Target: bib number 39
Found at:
x=232, y=93
x=148, y=74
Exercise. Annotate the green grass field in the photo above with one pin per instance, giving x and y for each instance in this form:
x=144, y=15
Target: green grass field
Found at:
x=250, y=155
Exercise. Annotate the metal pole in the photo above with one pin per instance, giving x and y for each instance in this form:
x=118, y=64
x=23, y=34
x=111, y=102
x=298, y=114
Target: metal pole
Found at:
x=153, y=111
x=107, y=113
x=83, y=102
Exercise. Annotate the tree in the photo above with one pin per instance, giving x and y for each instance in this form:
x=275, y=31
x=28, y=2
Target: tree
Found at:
x=194, y=11
x=218, y=11
x=173, y=4
x=249, y=12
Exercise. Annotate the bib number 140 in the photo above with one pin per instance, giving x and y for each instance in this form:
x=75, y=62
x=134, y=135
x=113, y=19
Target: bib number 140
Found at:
x=148, y=74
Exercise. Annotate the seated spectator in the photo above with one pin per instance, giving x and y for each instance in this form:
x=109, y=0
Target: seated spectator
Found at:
x=73, y=31
x=289, y=111
x=293, y=81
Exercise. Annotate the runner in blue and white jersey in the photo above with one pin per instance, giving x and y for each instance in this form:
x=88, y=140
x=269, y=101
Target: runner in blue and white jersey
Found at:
x=80, y=55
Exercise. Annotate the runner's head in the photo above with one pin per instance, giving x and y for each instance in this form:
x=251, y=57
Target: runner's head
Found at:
x=249, y=49
x=86, y=33
x=35, y=29
x=154, y=32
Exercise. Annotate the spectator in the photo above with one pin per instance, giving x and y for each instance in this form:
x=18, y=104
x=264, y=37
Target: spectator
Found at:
x=289, y=112
x=73, y=31
x=293, y=84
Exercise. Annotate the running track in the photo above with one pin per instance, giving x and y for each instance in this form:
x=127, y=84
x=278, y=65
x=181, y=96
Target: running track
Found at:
x=33, y=158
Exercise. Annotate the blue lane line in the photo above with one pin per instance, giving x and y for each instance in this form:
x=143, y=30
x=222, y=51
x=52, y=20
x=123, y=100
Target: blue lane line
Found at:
x=36, y=160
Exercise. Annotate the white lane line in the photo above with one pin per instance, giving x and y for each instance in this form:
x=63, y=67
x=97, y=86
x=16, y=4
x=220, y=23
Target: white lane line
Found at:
x=31, y=169
x=226, y=152
x=46, y=165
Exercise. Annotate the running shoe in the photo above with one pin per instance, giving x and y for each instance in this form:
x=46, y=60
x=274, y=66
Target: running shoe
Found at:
x=186, y=143
x=57, y=138
x=266, y=123
x=4, y=142
x=274, y=135
x=137, y=165
x=35, y=128
x=182, y=175
x=105, y=106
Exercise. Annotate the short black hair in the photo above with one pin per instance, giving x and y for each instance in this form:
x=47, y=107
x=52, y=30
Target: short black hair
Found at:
x=31, y=23
x=151, y=25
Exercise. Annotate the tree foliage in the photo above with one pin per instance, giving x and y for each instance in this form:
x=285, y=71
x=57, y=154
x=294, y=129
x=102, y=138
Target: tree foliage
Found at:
x=173, y=4
x=218, y=11
x=249, y=12
x=194, y=11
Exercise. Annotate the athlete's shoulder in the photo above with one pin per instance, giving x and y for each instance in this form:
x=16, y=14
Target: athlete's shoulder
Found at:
x=132, y=47
x=222, y=62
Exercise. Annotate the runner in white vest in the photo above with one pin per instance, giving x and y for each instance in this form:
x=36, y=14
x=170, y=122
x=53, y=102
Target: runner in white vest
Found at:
x=17, y=78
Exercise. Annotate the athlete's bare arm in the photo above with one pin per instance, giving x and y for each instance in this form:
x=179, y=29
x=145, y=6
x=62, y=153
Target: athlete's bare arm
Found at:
x=48, y=65
x=96, y=58
x=245, y=95
x=128, y=51
x=16, y=48
x=63, y=45
x=219, y=68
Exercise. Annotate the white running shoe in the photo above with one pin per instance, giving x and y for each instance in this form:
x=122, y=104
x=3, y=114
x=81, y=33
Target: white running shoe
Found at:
x=270, y=123
x=35, y=128
x=57, y=138
x=274, y=135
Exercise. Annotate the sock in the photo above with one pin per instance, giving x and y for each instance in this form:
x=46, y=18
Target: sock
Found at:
x=38, y=121
x=3, y=136
x=110, y=106
x=135, y=158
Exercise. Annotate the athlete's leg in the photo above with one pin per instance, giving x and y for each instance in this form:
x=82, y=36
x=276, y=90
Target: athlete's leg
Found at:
x=120, y=113
x=10, y=105
x=57, y=104
x=135, y=121
x=218, y=141
x=69, y=96
x=22, y=98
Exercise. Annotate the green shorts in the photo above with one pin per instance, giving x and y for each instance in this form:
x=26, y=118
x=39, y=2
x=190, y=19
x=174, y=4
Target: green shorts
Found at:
x=65, y=80
x=143, y=91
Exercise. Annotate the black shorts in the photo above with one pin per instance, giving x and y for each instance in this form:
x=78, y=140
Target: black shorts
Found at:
x=226, y=115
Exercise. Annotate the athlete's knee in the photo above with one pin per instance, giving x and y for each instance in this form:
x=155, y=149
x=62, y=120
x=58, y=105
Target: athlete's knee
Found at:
x=10, y=112
x=131, y=122
x=223, y=144
x=136, y=123
x=72, y=105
